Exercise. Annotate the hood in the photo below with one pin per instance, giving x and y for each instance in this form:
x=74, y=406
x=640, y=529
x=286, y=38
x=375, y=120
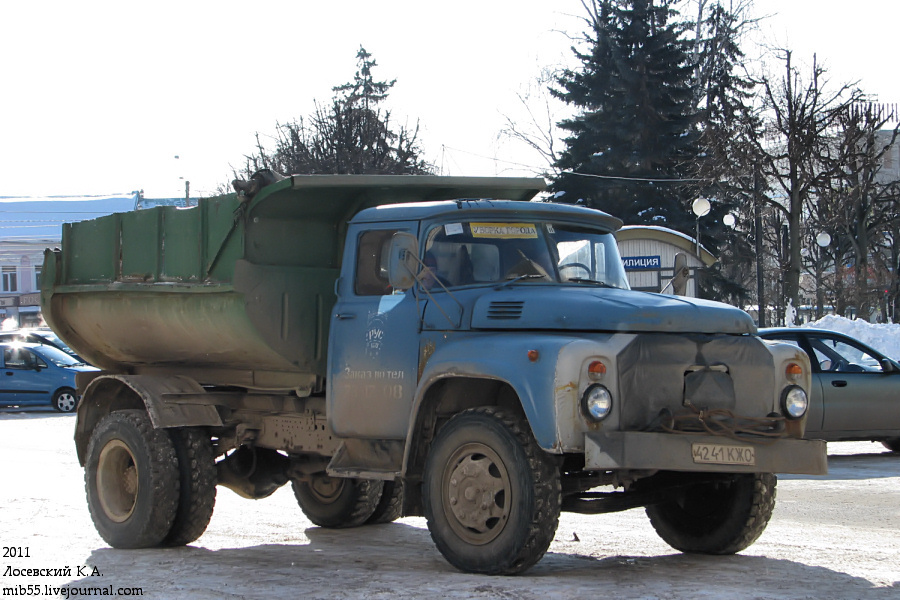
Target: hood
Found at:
x=605, y=309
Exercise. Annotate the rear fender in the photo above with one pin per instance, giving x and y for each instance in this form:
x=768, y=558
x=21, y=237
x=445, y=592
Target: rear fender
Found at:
x=154, y=393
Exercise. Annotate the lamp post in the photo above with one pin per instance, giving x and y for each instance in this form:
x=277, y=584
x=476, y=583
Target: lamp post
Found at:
x=187, y=186
x=823, y=240
x=701, y=208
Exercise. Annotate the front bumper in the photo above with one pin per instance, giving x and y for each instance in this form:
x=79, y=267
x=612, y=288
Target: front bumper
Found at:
x=615, y=450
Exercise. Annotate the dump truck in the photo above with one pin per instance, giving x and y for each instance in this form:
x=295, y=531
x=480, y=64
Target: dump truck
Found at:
x=391, y=346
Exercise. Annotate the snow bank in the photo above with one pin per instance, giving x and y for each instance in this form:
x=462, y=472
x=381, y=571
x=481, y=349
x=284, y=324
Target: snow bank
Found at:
x=883, y=337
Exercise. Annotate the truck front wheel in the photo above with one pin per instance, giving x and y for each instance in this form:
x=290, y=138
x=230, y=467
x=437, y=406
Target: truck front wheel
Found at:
x=716, y=517
x=336, y=501
x=491, y=494
x=131, y=480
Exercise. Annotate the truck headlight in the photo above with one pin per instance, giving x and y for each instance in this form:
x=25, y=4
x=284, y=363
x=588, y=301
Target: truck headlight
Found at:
x=794, y=402
x=596, y=403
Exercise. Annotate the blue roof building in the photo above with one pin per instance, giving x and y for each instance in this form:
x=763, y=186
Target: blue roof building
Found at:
x=29, y=225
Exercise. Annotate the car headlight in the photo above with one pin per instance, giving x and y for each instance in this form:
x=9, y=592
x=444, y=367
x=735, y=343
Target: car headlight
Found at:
x=596, y=403
x=794, y=402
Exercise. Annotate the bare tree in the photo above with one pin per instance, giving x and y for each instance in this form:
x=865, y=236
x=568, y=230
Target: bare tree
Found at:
x=801, y=118
x=858, y=208
x=542, y=111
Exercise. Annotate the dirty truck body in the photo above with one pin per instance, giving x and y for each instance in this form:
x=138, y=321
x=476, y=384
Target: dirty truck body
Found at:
x=399, y=345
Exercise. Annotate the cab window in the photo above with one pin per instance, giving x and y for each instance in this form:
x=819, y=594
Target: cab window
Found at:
x=372, y=263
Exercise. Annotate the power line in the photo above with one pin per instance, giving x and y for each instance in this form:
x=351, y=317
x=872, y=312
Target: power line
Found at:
x=616, y=177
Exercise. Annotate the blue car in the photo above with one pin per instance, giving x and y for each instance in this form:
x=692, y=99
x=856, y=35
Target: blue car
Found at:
x=38, y=375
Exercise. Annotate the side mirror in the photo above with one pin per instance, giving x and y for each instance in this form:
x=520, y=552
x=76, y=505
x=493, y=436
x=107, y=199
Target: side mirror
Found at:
x=403, y=264
x=889, y=366
x=681, y=276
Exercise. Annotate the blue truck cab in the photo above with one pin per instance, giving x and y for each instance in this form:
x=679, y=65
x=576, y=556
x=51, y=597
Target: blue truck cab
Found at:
x=482, y=311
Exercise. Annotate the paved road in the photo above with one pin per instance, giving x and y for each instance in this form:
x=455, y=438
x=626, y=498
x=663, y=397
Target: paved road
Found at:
x=836, y=536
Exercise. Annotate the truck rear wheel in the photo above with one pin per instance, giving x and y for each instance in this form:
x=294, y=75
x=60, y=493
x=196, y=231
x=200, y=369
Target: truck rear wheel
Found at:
x=718, y=517
x=491, y=494
x=131, y=480
x=197, y=474
x=390, y=506
x=337, y=502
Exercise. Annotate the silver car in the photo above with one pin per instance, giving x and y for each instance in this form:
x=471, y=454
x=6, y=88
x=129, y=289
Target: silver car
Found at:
x=856, y=389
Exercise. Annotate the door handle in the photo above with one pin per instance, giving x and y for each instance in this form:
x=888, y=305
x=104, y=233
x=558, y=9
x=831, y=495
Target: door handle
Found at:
x=345, y=316
x=839, y=383
x=9, y=373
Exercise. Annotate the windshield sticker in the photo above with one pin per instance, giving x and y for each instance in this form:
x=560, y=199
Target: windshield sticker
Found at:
x=550, y=229
x=504, y=230
x=453, y=229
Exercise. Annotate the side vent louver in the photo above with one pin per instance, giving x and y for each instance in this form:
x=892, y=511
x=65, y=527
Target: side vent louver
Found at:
x=508, y=310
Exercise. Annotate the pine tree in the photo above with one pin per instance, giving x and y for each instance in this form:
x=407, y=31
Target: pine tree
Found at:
x=632, y=143
x=728, y=159
x=350, y=135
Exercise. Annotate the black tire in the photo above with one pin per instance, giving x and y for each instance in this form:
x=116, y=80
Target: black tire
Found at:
x=65, y=400
x=131, y=480
x=197, y=475
x=337, y=502
x=719, y=517
x=892, y=444
x=390, y=506
x=491, y=494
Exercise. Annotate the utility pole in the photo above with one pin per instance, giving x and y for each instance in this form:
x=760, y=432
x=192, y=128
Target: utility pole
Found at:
x=760, y=282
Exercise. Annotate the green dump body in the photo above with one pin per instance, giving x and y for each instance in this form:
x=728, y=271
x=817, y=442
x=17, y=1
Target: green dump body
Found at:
x=236, y=291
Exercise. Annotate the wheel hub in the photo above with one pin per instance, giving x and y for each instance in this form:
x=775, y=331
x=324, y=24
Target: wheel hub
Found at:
x=117, y=481
x=326, y=489
x=477, y=489
x=66, y=402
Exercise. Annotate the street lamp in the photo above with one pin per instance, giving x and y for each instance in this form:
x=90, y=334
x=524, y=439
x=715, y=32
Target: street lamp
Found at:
x=701, y=208
x=823, y=240
x=728, y=220
x=187, y=185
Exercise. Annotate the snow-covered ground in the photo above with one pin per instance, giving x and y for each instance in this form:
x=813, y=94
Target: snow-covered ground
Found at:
x=883, y=337
x=831, y=537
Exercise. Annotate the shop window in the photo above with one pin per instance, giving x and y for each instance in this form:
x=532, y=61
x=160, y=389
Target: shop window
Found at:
x=10, y=280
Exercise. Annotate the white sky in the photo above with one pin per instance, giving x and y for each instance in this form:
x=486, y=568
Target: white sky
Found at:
x=98, y=97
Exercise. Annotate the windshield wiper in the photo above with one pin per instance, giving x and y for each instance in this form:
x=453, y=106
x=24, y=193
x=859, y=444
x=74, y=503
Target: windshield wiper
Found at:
x=594, y=281
x=520, y=277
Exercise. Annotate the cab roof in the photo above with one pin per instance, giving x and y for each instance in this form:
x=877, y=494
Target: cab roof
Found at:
x=488, y=209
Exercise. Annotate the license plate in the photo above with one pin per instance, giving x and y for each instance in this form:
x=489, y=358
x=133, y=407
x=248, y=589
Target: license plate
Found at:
x=720, y=454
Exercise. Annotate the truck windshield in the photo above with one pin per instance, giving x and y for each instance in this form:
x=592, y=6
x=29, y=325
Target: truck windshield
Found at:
x=470, y=253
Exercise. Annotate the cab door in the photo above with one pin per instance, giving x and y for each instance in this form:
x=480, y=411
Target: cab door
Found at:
x=374, y=341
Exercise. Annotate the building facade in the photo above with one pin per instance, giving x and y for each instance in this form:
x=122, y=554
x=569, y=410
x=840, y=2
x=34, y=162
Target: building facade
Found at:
x=649, y=255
